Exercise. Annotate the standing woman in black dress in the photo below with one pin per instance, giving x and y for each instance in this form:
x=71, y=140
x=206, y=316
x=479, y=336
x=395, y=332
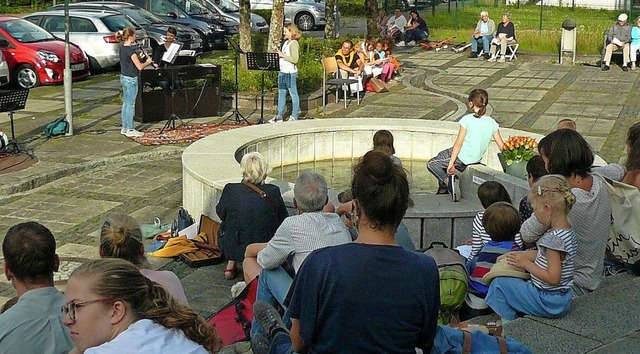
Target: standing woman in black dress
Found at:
x=132, y=60
x=250, y=211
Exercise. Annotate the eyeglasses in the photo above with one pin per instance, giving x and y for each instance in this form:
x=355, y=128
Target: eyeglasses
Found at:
x=71, y=306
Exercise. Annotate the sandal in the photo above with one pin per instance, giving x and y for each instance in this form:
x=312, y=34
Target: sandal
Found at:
x=230, y=274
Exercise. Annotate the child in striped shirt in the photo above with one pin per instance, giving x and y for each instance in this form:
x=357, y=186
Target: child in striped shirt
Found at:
x=548, y=293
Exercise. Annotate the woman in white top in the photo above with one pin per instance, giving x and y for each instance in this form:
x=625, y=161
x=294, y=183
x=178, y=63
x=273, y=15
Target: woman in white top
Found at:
x=113, y=308
x=120, y=237
x=288, y=75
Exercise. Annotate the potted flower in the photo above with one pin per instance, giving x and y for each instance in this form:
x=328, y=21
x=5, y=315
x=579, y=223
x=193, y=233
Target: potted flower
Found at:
x=517, y=151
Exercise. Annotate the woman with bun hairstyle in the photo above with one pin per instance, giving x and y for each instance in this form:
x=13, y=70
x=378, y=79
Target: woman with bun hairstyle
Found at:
x=120, y=237
x=113, y=308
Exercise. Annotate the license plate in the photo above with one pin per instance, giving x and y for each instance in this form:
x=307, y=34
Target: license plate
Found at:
x=77, y=67
x=264, y=30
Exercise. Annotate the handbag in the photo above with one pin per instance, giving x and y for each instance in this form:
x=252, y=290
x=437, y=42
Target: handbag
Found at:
x=233, y=320
x=378, y=85
x=183, y=221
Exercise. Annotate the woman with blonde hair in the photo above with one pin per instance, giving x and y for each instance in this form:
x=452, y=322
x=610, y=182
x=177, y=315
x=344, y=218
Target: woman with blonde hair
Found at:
x=120, y=237
x=288, y=75
x=251, y=211
x=113, y=308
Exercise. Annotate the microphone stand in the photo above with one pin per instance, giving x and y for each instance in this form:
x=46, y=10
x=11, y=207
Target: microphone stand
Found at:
x=237, y=116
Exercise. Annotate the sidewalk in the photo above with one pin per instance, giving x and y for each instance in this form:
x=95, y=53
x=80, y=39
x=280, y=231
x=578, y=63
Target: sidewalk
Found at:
x=81, y=178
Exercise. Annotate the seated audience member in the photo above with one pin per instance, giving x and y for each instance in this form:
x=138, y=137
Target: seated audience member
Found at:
x=484, y=32
x=383, y=142
x=505, y=35
x=381, y=23
x=385, y=61
x=634, y=46
x=387, y=46
x=618, y=36
x=416, y=30
x=113, y=308
x=567, y=153
x=632, y=176
x=567, y=123
x=535, y=170
x=396, y=25
x=120, y=237
x=295, y=239
x=351, y=64
x=502, y=222
x=34, y=324
x=396, y=291
x=548, y=293
x=376, y=63
x=489, y=192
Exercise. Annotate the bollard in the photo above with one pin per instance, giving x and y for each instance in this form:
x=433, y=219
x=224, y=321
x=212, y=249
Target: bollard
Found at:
x=568, y=42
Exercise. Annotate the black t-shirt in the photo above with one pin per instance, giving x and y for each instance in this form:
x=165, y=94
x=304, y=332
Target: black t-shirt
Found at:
x=127, y=67
x=158, y=52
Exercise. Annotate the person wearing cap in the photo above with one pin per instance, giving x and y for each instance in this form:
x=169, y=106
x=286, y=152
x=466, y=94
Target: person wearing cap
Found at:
x=618, y=36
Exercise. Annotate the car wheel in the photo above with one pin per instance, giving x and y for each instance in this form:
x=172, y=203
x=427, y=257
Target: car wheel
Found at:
x=26, y=76
x=305, y=21
x=94, y=65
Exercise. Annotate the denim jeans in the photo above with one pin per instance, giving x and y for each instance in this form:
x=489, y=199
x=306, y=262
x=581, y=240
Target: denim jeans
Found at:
x=486, y=43
x=414, y=35
x=273, y=286
x=129, y=93
x=281, y=344
x=288, y=82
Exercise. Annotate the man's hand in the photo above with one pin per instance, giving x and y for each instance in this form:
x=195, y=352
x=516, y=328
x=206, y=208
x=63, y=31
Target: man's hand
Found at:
x=477, y=35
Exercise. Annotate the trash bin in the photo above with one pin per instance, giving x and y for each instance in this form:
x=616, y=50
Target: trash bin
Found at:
x=568, y=42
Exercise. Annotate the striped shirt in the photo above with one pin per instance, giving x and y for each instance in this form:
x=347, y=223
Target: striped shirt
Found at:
x=301, y=234
x=486, y=259
x=561, y=240
x=480, y=237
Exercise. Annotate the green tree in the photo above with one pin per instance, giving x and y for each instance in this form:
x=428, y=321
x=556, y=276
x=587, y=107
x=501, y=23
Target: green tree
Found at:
x=331, y=20
x=277, y=20
x=371, y=10
x=245, y=27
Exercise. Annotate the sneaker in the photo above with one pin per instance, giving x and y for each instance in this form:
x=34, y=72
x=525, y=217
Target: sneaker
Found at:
x=132, y=133
x=625, y=68
x=400, y=44
x=486, y=56
x=493, y=58
x=292, y=119
x=501, y=59
x=260, y=344
x=606, y=68
x=268, y=318
x=411, y=43
x=633, y=66
x=123, y=131
x=473, y=55
x=276, y=119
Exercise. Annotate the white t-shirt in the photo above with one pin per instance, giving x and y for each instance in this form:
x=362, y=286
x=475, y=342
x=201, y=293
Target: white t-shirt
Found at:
x=146, y=336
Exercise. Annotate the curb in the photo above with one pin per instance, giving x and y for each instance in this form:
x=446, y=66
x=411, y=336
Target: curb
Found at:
x=34, y=182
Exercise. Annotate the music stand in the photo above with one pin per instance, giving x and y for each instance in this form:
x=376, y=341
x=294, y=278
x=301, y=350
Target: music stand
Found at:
x=236, y=113
x=171, y=121
x=263, y=62
x=11, y=101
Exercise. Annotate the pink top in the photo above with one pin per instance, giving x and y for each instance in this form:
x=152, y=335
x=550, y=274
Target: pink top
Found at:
x=169, y=281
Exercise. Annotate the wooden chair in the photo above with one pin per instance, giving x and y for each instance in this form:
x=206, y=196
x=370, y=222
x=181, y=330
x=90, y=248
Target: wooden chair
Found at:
x=330, y=66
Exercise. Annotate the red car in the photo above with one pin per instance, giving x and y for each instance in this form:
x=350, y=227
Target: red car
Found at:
x=35, y=56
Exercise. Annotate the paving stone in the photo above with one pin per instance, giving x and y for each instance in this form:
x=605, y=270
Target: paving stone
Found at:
x=547, y=339
x=390, y=112
x=41, y=106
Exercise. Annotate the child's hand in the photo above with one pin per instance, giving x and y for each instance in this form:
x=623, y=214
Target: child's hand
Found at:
x=517, y=259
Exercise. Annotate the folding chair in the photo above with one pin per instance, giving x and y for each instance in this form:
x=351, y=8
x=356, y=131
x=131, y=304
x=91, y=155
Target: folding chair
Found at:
x=330, y=66
x=512, y=48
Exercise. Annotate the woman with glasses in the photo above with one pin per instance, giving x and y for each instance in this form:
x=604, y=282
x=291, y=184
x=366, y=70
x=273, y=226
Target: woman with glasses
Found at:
x=112, y=308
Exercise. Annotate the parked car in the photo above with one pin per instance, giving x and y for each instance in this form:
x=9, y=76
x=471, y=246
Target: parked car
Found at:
x=93, y=31
x=4, y=70
x=156, y=28
x=34, y=56
x=190, y=13
x=226, y=8
x=306, y=14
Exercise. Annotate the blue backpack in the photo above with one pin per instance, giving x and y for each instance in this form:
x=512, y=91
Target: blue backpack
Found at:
x=59, y=126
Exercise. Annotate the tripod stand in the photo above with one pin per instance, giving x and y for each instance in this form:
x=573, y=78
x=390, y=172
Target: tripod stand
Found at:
x=237, y=116
x=263, y=62
x=9, y=102
x=171, y=121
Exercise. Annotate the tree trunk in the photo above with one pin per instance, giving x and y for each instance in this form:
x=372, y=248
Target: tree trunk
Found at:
x=277, y=20
x=245, y=29
x=331, y=20
x=371, y=12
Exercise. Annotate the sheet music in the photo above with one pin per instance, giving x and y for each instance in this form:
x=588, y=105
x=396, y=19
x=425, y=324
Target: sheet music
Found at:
x=172, y=52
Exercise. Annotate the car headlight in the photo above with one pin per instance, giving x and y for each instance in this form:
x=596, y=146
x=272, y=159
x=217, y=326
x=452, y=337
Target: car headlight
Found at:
x=215, y=27
x=48, y=56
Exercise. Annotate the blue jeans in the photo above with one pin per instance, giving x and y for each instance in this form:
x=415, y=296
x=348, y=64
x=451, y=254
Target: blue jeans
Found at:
x=281, y=344
x=288, y=82
x=486, y=43
x=129, y=93
x=273, y=286
x=414, y=35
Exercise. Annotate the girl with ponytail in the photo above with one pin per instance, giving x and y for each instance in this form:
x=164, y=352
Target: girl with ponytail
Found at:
x=476, y=131
x=113, y=308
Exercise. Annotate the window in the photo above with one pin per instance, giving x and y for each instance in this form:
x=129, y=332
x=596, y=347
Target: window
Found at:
x=53, y=23
x=82, y=25
x=116, y=22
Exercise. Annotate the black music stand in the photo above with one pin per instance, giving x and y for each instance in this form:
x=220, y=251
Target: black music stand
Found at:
x=11, y=101
x=263, y=62
x=171, y=121
x=237, y=116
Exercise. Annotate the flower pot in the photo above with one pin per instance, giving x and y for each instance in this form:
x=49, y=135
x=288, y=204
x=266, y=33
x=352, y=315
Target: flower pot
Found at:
x=516, y=169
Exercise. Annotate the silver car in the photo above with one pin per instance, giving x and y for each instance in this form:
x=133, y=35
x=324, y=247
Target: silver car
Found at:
x=226, y=8
x=93, y=31
x=306, y=14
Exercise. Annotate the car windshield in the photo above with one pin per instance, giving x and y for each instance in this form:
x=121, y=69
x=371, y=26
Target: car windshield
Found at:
x=192, y=7
x=228, y=6
x=26, y=32
x=116, y=22
x=142, y=16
